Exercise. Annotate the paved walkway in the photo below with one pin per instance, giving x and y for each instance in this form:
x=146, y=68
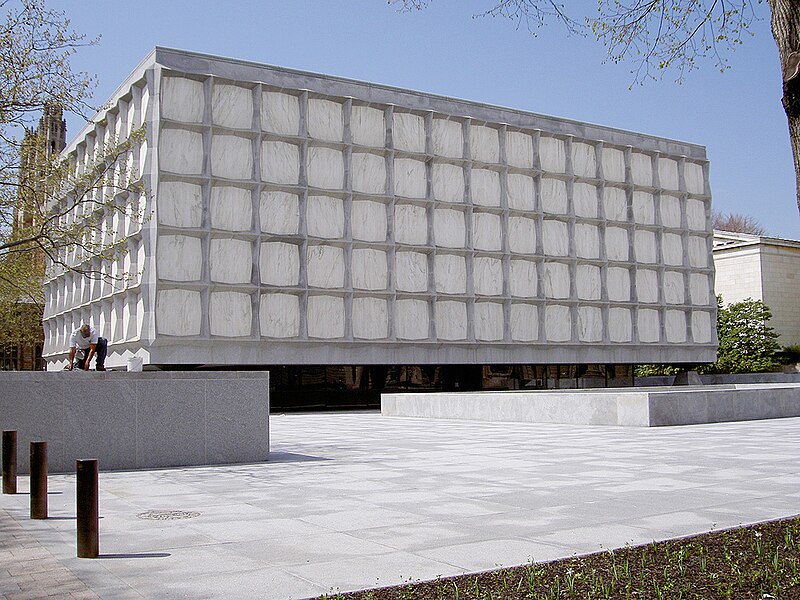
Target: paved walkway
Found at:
x=353, y=500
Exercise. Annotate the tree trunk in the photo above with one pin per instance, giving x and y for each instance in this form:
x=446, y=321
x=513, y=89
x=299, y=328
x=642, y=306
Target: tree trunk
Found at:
x=786, y=31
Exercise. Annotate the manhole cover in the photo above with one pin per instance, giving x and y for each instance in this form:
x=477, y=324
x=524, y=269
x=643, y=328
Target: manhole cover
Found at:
x=168, y=515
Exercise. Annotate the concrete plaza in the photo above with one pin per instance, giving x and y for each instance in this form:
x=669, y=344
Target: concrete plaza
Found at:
x=355, y=500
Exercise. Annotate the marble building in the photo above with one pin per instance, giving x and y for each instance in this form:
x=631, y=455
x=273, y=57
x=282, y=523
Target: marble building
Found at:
x=296, y=218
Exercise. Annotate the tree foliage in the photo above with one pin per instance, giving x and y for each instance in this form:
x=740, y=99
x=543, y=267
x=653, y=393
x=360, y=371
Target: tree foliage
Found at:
x=737, y=223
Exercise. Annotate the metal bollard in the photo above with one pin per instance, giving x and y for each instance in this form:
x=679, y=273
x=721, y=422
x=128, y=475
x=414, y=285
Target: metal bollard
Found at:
x=38, y=480
x=87, y=508
x=9, y=462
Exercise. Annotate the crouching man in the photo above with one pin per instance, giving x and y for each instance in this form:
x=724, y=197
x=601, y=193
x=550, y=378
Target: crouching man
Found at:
x=85, y=344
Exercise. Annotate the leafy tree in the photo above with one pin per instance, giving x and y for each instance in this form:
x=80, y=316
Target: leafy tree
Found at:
x=673, y=36
x=737, y=223
x=747, y=344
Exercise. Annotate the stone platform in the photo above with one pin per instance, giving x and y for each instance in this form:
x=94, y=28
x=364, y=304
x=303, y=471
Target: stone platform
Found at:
x=635, y=407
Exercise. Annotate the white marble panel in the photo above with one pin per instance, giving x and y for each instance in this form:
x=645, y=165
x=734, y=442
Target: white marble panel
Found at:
x=587, y=240
x=675, y=326
x=620, y=328
x=181, y=151
x=279, y=315
x=522, y=235
x=487, y=233
x=369, y=269
x=485, y=187
x=613, y=164
x=484, y=144
x=695, y=180
x=410, y=178
x=584, y=160
x=412, y=320
x=451, y=320
x=231, y=157
x=701, y=327
x=279, y=263
x=668, y=173
x=698, y=252
x=643, y=208
x=280, y=113
x=487, y=275
x=618, y=284
x=647, y=286
x=180, y=204
x=279, y=212
x=368, y=221
x=448, y=182
x=410, y=224
x=590, y=324
x=672, y=249
x=554, y=196
x=649, y=325
x=367, y=127
x=615, y=204
x=370, y=319
x=584, y=199
x=556, y=280
x=325, y=120
x=231, y=208
x=673, y=287
x=696, y=215
x=587, y=282
x=645, y=245
x=230, y=314
x=552, y=154
x=555, y=238
x=325, y=168
x=411, y=272
x=325, y=217
x=698, y=289
x=325, y=317
x=182, y=99
x=642, y=169
x=521, y=192
x=524, y=323
x=449, y=229
x=519, y=150
x=616, y=243
x=408, y=132
x=523, y=280
x=179, y=258
x=557, y=323
x=670, y=211
x=232, y=106
x=178, y=312
x=231, y=261
x=488, y=321
x=325, y=266
x=450, y=274
x=447, y=138
x=280, y=162
x=368, y=172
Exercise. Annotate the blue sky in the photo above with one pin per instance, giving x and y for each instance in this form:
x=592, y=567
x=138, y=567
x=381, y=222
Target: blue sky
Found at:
x=737, y=115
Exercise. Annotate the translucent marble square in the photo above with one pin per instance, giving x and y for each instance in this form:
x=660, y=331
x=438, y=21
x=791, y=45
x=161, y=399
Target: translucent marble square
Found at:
x=675, y=326
x=368, y=172
x=232, y=106
x=694, y=177
x=587, y=282
x=449, y=229
x=408, y=132
x=552, y=154
x=556, y=280
x=620, y=328
x=554, y=196
x=410, y=224
x=519, y=150
x=182, y=99
x=279, y=212
x=696, y=215
x=410, y=178
x=557, y=323
x=699, y=289
x=485, y=187
x=521, y=192
x=672, y=249
x=484, y=144
x=524, y=323
x=673, y=287
x=324, y=120
x=615, y=204
x=325, y=168
x=618, y=284
x=555, y=239
x=231, y=157
x=178, y=312
x=325, y=217
x=447, y=138
x=698, y=252
x=280, y=162
x=645, y=246
x=451, y=320
x=643, y=208
x=448, y=182
x=369, y=269
x=487, y=274
x=668, y=173
x=613, y=164
x=279, y=263
x=180, y=204
x=523, y=281
x=181, y=151
x=450, y=274
x=231, y=261
x=590, y=324
x=616, y=243
x=670, y=208
x=230, y=314
x=325, y=317
x=642, y=169
x=367, y=127
x=368, y=221
x=587, y=240
x=584, y=199
x=411, y=271
x=486, y=232
x=370, y=319
x=231, y=208
x=325, y=266
x=647, y=286
x=649, y=325
x=280, y=113
x=179, y=258
x=279, y=315
x=701, y=327
x=411, y=320
x=584, y=160
x=488, y=321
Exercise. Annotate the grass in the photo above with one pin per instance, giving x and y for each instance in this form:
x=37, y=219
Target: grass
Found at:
x=755, y=562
